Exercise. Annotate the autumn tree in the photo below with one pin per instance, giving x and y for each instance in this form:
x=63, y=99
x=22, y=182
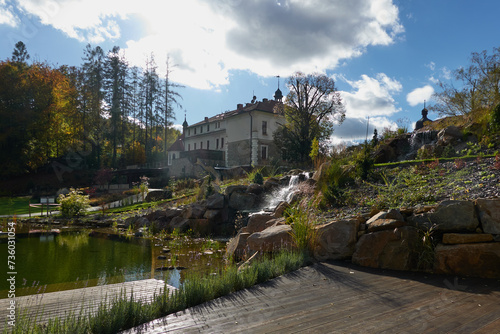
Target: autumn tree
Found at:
x=310, y=108
x=36, y=116
x=478, y=86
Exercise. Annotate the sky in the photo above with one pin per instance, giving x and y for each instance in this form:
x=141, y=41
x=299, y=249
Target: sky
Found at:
x=386, y=56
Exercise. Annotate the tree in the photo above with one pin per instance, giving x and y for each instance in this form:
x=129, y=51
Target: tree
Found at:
x=36, y=116
x=479, y=87
x=171, y=97
x=93, y=68
x=115, y=74
x=310, y=108
x=20, y=54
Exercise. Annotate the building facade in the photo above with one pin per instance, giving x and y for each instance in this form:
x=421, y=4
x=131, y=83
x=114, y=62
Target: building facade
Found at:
x=241, y=137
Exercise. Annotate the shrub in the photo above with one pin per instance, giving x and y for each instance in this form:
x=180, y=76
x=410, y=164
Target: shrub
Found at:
x=258, y=178
x=364, y=162
x=74, y=203
x=255, y=176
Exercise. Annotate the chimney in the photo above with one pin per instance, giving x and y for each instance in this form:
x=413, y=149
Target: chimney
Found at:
x=265, y=100
x=239, y=106
x=206, y=119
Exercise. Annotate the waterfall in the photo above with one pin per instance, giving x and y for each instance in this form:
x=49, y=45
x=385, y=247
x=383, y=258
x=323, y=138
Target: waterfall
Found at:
x=285, y=193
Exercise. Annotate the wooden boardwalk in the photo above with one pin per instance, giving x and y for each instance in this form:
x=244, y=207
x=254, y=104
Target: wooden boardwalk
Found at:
x=62, y=303
x=338, y=297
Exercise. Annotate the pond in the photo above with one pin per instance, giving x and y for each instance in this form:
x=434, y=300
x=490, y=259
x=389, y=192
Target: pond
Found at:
x=47, y=262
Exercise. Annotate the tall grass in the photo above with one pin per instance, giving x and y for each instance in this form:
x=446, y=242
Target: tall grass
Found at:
x=304, y=233
x=124, y=312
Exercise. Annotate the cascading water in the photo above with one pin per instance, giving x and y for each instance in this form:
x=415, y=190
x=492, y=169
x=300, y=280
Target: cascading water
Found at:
x=285, y=193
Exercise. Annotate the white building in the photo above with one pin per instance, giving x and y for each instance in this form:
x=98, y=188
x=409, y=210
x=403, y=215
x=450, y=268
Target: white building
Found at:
x=241, y=137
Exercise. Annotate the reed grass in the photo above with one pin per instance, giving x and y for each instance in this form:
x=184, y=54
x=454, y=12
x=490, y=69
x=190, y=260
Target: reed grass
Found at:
x=124, y=312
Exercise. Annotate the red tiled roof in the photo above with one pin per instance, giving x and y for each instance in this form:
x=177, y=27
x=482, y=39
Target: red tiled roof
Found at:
x=267, y=106
x=178, y=145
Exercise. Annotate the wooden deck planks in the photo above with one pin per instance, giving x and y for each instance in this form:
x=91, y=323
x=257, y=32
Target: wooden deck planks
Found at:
x=63, y=303
x=343, y=298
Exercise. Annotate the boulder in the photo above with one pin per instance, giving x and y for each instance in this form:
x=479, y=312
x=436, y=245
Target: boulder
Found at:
x=236, y=247
x=280, y=209
x=489, y=215
x=385, y=221
x=171, y=213
x=212, y=215
x=255, y=188
x=275, y=222
x=449, y=135
x=271, y=184
x=477, y=260
x=271, y=239
x=194, y=211
x=157, y=195
x=141, y=221
x=455, y=216
x=238, y=188
x=336, y=240
x=320, y=174
x=396, y=249
x=130, y=221
x=200, y=226
x=242, y=201
x=384, y=224
x=257, y=222
x=460, y=238
x=215, y=201
x=180, y=223
x=155, y=215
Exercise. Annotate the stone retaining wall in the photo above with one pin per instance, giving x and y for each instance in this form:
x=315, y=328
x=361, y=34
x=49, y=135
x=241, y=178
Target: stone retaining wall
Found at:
x=454, y=237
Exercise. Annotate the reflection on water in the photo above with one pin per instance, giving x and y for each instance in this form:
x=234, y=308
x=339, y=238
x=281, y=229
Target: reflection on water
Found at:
x=46, y=263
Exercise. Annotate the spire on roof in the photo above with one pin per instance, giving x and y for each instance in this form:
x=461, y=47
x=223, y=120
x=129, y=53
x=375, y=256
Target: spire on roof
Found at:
x=278, y=95
x=185, y=123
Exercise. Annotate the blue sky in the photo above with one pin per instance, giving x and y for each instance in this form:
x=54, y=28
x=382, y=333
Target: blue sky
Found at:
x=385, y=56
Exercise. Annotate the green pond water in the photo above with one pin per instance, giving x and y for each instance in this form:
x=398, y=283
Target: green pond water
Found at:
x=46, y=263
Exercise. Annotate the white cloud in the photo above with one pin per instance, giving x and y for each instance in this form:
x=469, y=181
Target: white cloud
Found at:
x=7, y=14
x=354, y=130
x=418, y=95
x=431, y=66
x=371, y=96
x=208, y=38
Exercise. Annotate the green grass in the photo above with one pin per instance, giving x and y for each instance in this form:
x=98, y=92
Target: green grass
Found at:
x=123, y=312
x=15, y=205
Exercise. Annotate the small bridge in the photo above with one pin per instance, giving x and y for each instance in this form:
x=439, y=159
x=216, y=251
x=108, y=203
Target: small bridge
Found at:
x=63, y=303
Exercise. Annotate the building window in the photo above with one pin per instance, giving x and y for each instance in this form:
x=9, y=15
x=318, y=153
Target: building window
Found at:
x=195, y=146
x=264, y=127
x=201, y=145
x=189, y=147
x=189, y=132
x=208, y=144
x=173, y=156
x=201, y=129
x=194, y=130
x=217, y=143
x=264, y=152
x=222, y=142
x=208, y=127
